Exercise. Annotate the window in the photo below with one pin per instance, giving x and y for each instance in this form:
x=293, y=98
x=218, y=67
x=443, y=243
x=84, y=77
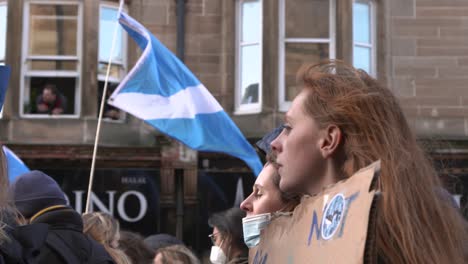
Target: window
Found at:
x=364, y=36
x=3, y=29
x=107, y=23
x=51, y=59
x=306, y=35
x=249, y=56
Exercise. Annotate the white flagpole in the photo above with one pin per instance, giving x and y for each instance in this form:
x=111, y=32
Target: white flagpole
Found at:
x=103, y=100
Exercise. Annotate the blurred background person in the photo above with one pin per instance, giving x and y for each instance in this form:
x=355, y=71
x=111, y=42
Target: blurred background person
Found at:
x=157, y=241
x=106, y=230
x=18, y=244
x=39, y=200
x=227, y=237
x=135, y=248
x=175, y=254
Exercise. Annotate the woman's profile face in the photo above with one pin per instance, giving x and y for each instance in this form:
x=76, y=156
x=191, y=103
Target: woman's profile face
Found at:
x=299, y=160
x=265, y=197
x=217, y=237
x=221, y=240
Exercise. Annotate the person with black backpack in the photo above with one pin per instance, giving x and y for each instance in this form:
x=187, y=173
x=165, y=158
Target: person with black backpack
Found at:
x=40, y=200
x=19, y=244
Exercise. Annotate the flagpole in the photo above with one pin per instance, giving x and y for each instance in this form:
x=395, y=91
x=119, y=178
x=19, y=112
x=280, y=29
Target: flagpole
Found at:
x=101, y=109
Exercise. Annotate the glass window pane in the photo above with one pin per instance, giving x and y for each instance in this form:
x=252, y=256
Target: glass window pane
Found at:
x=116, y=71
x=362, y=58
x=110, y=112
x=251, y=24
x=53, y=30
x=106, y=30
x=43, y=102
x=3, y=28
x=47, y=65
x=361, y=22
x=296, y=55
x=307, y=18
x=250, y=78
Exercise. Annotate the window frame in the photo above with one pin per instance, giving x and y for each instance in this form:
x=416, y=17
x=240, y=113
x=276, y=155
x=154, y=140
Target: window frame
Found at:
x=282, y=40
x=123, y=63
x=26, y=74
x=251, y=108
x=4, y=3
x=372, y=35
x=3, y=62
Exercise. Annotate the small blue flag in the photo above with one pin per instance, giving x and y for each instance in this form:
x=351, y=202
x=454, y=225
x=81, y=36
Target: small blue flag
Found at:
x=4, y=77
x=161, y=90
x=15, y=166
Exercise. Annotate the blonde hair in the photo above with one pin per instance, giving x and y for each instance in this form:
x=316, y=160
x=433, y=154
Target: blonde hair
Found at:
x=106, y=230
x=414, y=224
x=177, y=254
x=5, y=206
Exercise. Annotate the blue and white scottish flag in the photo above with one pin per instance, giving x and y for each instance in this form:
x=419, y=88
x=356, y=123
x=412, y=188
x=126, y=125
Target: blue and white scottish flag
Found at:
x=15, y=166
x=161, y=90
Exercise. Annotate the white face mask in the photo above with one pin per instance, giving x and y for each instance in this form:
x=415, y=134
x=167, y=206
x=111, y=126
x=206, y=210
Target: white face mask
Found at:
x=252, y=226
x=217, y=255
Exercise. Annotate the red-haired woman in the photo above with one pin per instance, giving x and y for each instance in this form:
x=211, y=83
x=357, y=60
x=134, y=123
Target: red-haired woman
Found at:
x=344, y=120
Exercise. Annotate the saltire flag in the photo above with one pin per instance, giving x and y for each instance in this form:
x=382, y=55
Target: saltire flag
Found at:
x=161, y=90
x=4, y=77
x=15, y=166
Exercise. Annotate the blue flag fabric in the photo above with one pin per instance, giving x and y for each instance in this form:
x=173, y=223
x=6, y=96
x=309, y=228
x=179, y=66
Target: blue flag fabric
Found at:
x=15, y=166
x=161, y=90
x=4, y=77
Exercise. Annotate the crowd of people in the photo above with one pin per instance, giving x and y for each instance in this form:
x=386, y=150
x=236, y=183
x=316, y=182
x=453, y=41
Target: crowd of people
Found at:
x=39, y=227
x=341, y=121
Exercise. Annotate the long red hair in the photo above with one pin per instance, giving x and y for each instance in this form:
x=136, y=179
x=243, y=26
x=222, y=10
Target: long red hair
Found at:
x=414, y=224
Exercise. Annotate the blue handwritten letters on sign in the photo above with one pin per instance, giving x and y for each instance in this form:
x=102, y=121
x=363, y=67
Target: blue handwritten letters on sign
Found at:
x=260, y=258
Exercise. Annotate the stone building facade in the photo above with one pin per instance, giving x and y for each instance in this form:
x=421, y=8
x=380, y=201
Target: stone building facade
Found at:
x=246, y=53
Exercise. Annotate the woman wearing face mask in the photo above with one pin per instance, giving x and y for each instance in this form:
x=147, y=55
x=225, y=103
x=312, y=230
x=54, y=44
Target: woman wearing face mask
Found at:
x=266, y=197
x=343, y=120
x=228, y=242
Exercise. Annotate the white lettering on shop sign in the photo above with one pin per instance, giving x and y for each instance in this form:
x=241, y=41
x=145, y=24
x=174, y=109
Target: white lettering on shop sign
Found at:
x=109, y=207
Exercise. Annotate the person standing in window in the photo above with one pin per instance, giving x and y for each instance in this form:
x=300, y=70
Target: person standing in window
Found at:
x=50, y=101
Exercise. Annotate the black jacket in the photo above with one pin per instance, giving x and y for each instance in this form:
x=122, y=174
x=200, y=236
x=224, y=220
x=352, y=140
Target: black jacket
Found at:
x=23, y=243
x=66, y=242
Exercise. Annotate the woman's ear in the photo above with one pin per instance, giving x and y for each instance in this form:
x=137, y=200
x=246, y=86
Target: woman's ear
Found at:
x=331, y=138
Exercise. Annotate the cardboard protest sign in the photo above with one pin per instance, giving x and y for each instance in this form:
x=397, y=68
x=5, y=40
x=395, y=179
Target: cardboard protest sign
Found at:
x=330, y=227
x=4, y=77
